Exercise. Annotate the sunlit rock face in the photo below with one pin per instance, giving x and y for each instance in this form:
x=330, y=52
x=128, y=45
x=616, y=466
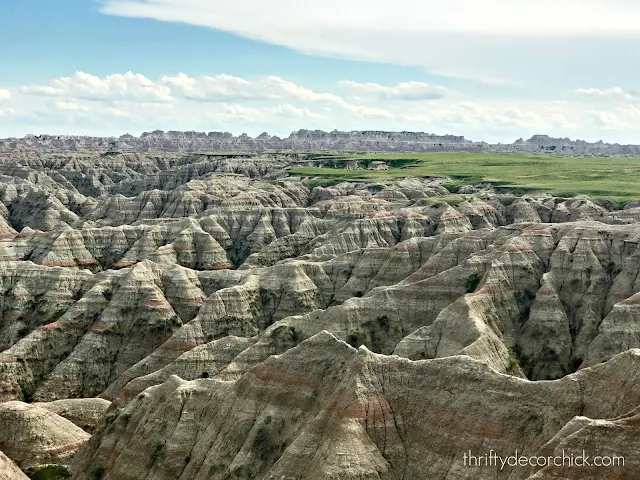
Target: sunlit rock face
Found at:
x=310, y=141
x=187, y=316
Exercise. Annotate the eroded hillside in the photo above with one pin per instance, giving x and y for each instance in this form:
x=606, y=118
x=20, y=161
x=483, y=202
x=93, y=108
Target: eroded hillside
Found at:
x=183, y=316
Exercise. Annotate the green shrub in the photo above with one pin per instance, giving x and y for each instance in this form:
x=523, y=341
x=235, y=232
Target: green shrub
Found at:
x=323, y=182
x=355, y=338
x=167, y=325
x=98, y=472
x=513, y=364
x=49, y=472
x=472, y=282
x=27, y=393
x=384, y=322
x=157, y=451
x=452, y=187
x=266, y=444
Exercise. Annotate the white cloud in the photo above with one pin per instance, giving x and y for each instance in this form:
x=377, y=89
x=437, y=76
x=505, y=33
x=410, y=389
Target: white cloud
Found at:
x=290, y=111
x=220, y=87
x=238, y=113
x=494, y=17
x=474, y=114
x=4, y=95
x=116, y=112
x=279, y=106
x=608, y=120
x=69, y=106
x=401, y=91
x=128, y=86
x=493, y=40
x=225, y=87
x=614, y=93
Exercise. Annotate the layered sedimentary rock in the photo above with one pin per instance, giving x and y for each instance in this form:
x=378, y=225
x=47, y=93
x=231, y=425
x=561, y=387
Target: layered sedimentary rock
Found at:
x=33, y=436
x=210, y=316
x=9, y=470
x=311, y=140
x=325, y=410
x=86, y=413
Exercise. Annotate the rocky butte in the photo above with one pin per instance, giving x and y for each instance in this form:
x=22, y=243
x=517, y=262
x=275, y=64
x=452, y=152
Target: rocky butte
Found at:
x=312, y=140
x=172, y=315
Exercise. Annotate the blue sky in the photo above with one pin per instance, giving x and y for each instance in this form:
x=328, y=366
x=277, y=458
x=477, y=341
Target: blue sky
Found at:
x=485, y=69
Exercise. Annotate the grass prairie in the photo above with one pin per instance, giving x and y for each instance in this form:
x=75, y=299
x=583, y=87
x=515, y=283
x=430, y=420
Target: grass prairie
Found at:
x=614, y=178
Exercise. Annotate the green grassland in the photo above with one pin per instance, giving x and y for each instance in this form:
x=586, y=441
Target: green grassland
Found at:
x=614, y=178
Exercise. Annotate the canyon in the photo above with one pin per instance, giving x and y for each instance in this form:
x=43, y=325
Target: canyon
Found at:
x=167, y=313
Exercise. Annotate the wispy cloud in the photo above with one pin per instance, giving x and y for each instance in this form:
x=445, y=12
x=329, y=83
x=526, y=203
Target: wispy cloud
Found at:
x=501, y=17
x=69, y=107
x=289, y=111
x=614, y=93
x=401, y=91
x=497, y=41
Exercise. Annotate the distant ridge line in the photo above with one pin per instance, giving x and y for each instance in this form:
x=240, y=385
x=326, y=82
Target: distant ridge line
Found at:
x=370, y=141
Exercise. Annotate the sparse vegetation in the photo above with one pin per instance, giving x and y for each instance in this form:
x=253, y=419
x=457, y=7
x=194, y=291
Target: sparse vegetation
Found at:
x=612, y=270
x=167, y=325
x=613, y=178
x=98, y=472
x=49, y=472
x=513, y=365
x=267, y=444
x=28, y=392
x=355, y=338
x=324, y=182
x=156, y=452
x=453, y=187
x=377, y=188
x=384, y=322
x=473, y=282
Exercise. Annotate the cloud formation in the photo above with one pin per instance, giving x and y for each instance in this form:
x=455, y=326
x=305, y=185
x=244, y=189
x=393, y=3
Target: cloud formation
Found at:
x=544, y=18
x=65, y=106
x=128, y=86
x=504, y=41
x=289, y=111
x=401, y=91
x=88, y=104
x=227, y=88
x=613, y=93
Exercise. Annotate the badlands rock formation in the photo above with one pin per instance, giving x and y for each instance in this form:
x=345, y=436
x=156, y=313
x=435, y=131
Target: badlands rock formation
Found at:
x=198, y=316
x=32, y=435
x=312, y=140
x=9, y=470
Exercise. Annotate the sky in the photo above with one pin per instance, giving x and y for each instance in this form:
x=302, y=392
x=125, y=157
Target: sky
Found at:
x=493, y=70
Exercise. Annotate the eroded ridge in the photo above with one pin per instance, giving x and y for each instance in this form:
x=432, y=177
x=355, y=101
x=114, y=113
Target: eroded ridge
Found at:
x=197, y=316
